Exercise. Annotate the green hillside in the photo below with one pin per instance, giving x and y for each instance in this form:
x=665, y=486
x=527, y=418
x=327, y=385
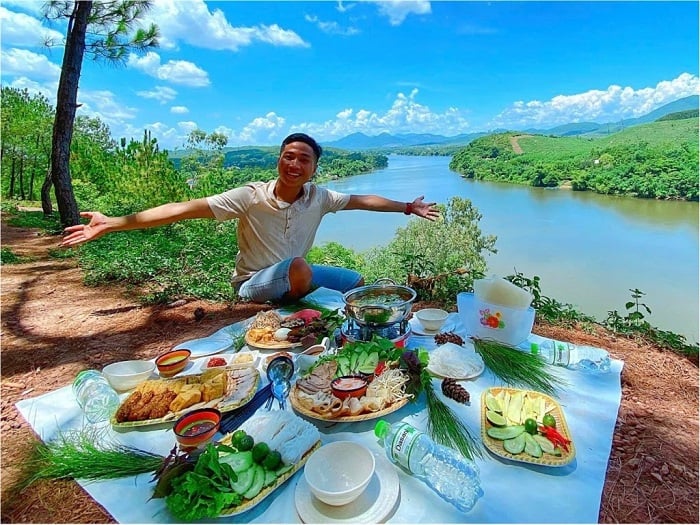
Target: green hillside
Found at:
x=654, y=160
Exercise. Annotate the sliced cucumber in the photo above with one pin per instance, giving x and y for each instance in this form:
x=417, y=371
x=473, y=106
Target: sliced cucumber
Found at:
x=283, y=470
x=270, y=478
x=532, y=447
x=504, y=433
x=515, y=445
x=239, y=461
x=244, y=482
x=258, y=482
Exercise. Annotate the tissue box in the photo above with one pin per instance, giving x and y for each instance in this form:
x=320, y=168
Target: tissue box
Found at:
x=506, y=325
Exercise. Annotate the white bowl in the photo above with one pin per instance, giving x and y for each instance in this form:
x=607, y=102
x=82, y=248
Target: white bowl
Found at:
x=125, y=375
x=431, y=319
x=339, y=472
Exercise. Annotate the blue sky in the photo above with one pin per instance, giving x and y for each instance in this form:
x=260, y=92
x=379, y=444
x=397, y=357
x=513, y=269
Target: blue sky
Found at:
x=257, y=71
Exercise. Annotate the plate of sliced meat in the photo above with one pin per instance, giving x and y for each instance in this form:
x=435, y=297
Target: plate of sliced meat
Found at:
x=311, y=395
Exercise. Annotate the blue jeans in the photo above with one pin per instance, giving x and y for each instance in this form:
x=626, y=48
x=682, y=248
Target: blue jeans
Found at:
x=271, y=283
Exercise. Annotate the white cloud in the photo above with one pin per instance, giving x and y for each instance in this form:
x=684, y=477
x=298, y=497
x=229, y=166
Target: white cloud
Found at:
x=23, y=30
x=104, y=105
x=48, y=90
x=192, y=22
x=179, y=110
x=405, y=115
x=332, y=28
x=398, y=10
x=20, y=62
x=262, y=130
x=187, y=125
x=612, y=104
x=162, y=94
x=175, y=71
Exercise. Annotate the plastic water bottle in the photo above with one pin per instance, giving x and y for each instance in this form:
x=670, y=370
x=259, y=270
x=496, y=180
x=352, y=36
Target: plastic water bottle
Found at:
x=453, y=477
x=575, y=357
x=95, y=395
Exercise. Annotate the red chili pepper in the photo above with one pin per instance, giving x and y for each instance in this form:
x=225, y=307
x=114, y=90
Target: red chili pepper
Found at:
x=380, y=368
x=555, y=437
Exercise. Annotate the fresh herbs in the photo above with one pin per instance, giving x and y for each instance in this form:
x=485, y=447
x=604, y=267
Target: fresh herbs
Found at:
x=444, y=426
x=205, y=491
x=517, y=368
x=86, y=455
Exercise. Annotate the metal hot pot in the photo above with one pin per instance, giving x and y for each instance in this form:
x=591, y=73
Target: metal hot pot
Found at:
x=381, y=304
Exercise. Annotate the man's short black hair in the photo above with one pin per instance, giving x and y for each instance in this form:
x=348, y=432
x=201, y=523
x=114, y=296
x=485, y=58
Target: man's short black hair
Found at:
x=303, y=137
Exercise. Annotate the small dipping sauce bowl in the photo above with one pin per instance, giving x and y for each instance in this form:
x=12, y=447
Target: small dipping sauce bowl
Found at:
x=196, y=428
x=172, y=362
x=349, y=386
x=431, y=319
x=125, y=375
x=337, y=473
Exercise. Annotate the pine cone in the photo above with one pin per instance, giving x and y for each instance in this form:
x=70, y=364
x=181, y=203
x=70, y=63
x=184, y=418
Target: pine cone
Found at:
x=454, y=390
x=448, y=337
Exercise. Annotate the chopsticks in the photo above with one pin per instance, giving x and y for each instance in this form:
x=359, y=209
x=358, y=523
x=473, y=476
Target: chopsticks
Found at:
x=235, y=418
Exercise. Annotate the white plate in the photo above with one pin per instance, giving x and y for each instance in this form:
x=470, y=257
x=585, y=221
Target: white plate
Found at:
x=418, y=329
x=206, y=345
x=375, y=504
x=466, y=353
x=471, y=375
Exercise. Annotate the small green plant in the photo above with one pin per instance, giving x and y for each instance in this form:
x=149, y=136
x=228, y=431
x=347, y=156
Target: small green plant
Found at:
x=7, y=256
x=549, y=309
x=634, y=324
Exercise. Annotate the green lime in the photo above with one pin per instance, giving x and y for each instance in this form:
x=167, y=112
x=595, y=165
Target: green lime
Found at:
x=260, y=450
x=530, y=426
x=272, y=460
x=243, y=443
x=549, y=421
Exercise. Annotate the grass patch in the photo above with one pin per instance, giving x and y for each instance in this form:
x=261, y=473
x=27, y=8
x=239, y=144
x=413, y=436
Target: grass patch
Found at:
x=7, y=256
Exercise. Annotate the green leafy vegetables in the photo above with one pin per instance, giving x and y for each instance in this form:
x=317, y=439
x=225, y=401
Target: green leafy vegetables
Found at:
x=204, y=491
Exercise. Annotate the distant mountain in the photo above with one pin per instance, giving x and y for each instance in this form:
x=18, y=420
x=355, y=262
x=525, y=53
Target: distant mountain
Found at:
x=360, y=141
x=593, y=128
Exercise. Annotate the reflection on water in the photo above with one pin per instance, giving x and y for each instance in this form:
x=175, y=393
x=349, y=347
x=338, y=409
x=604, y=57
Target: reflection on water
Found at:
x=589, y=249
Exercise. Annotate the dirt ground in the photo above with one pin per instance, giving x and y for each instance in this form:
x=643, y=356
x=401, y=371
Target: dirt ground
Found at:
x=53, y=326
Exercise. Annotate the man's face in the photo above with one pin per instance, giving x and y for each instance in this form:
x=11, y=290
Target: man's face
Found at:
x=297, y=164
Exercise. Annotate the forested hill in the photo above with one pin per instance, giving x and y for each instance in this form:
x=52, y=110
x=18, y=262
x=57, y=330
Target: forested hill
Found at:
x=334, y=163
x=657, y=160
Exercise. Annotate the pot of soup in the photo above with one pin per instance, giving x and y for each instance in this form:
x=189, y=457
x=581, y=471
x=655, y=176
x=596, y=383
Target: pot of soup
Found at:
x=383, y=303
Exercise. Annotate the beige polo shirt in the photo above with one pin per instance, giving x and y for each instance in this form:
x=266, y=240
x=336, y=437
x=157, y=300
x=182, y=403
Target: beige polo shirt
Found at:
x=271, y=230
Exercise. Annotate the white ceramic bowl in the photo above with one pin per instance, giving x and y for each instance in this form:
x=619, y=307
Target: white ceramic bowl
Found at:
x=337, y=473
x=431, y=319
x=125, y=375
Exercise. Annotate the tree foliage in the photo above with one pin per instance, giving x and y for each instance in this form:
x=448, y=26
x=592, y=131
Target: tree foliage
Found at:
x=104, y=30
x=655, y=161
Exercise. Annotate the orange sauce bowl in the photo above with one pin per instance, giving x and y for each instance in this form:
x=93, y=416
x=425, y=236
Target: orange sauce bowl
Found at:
x=349, y=386
x=173, y=362
x=196, y=428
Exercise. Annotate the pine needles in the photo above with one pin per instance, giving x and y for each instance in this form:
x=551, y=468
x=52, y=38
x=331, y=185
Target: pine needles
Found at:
x=517, y=368
x=78, y=455
x=447, y=429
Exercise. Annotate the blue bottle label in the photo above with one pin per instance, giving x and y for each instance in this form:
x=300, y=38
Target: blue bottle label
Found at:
x=402, y=444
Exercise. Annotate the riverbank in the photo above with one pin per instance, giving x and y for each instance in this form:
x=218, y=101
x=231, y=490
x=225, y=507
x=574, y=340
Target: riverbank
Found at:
x=53, y=326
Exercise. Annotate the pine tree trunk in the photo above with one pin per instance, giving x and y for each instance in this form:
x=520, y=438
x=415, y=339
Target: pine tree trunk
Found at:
x=66, y=107
x=46, y=204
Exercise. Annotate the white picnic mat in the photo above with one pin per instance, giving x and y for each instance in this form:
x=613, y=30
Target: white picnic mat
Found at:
x=513, y=492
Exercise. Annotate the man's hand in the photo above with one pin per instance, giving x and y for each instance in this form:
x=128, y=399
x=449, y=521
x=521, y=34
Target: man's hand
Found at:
x=81, y=233
x=427, y=210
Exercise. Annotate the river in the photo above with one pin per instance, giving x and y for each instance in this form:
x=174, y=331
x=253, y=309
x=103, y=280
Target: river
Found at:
x=588, y=249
